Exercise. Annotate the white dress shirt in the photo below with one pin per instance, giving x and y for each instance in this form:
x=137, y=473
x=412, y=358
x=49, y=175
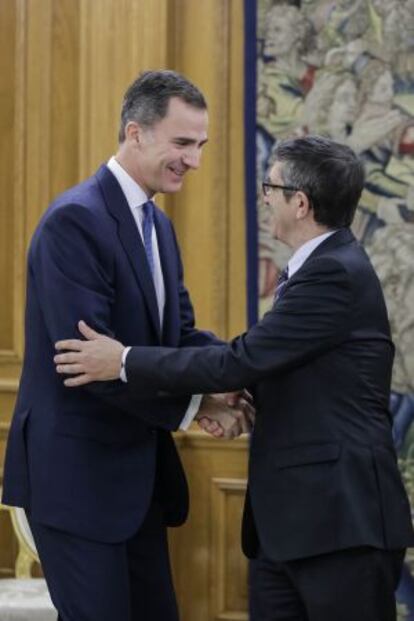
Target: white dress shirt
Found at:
x=303, y=252
x=136, y=198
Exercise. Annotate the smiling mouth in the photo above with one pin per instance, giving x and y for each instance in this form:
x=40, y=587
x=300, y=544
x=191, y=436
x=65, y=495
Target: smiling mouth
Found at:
x=178, y=173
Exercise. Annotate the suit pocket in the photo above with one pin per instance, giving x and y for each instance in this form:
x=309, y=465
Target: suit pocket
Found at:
x=306, y=454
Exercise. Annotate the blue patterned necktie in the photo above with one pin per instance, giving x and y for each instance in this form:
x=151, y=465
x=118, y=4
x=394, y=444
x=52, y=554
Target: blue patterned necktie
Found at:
x=281, y=283
x=147, y=226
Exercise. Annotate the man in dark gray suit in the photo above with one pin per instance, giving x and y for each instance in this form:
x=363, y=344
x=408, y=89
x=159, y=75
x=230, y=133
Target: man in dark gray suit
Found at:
x=326, y=517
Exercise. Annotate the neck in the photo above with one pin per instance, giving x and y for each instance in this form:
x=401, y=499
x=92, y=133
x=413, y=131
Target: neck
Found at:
x=128, y=163
x=306, y=234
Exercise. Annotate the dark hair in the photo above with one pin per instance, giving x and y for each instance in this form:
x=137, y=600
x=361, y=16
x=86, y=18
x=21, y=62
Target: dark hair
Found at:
x=146, y=100
x=329, y=173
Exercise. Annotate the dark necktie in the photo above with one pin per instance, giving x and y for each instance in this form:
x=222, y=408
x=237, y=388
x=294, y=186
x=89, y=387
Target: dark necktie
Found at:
x=281, y=283
x=147, y=226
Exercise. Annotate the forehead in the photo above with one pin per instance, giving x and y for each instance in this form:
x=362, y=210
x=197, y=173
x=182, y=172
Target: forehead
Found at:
x=183, y=119
x=275, y=172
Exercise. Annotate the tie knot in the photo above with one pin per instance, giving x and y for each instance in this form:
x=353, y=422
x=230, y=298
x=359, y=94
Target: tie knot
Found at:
x=283, y=276
x=281, y=283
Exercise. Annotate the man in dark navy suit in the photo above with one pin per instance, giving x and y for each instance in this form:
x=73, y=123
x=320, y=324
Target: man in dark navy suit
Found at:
x=96, y=468
x=326, y=517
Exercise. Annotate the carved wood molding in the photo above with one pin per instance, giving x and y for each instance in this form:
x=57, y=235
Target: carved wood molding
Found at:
x=8, y=385
x=228, y=569
x=200, y=439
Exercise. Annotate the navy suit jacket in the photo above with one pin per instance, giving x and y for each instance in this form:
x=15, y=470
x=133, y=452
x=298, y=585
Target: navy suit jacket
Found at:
x=84, y=460
x=323, y=473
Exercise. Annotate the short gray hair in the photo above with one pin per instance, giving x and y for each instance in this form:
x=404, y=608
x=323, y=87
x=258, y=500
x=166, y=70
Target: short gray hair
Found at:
x=146, y=99
x=329, y=173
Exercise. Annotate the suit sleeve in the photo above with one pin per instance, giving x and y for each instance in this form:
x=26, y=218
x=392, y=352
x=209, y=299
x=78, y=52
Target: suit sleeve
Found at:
x=311, y=318
x=74, y=273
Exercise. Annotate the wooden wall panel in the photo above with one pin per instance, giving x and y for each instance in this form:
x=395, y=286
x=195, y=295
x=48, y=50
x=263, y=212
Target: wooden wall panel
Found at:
x=210, y=572
x=64, y=94
x=228, y=569
x=236, y=307
x=118, y=41
x=10, y=163
x=7, y=126
x=37, y=107
x=207, y=40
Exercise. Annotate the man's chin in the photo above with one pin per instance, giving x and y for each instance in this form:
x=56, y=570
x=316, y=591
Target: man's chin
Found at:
x=172, y=186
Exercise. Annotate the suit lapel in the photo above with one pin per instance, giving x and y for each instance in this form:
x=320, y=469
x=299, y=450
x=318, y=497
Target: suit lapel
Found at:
x=130, y=239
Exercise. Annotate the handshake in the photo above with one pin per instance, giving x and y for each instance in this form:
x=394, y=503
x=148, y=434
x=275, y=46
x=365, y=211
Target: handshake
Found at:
x=98, y=358
x=226, y=415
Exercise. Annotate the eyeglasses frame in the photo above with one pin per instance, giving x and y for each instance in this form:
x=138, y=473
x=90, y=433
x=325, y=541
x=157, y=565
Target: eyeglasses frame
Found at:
x=267, y=186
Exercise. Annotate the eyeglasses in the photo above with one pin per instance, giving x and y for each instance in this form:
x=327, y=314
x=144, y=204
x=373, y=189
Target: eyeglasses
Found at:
x=267, y=188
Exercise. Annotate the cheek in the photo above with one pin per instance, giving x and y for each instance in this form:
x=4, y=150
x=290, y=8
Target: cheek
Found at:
x=169, y=154
x=273, y=220
x=157, y=156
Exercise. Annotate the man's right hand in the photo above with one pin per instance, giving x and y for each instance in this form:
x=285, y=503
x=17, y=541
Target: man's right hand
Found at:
x=222, y=421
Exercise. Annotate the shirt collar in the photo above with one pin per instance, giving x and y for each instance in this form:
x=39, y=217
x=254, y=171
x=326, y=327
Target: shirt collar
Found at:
x=134, y=194
x=304, y=251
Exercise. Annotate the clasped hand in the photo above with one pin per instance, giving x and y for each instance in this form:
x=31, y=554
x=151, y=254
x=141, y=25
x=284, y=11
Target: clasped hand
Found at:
x=226, y=415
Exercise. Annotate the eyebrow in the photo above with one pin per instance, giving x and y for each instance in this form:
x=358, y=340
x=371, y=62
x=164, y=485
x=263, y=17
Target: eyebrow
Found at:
x=189, y=140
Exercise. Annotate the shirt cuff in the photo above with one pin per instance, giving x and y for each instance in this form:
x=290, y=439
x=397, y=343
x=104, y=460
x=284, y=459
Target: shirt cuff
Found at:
x=192, y=410
x=122, y=374
x=194, y=404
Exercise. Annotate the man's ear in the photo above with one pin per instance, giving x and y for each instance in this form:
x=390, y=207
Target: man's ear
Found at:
x=303, y=205
x=133, y=132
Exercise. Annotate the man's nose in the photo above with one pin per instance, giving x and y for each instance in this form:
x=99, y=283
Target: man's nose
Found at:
x=192, y=158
